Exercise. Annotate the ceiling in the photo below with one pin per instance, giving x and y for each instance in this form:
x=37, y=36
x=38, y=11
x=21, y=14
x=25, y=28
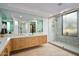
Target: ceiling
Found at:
x=40, y=9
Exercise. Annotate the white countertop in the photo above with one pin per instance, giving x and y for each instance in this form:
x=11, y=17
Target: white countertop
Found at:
x=6, y=39
x=4, y=42
x=23, y=35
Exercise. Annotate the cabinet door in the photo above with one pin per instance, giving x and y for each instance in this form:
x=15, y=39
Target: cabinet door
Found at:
x=23, y=43
x=29, y=41
x=34, y=41
x=12, y=44
x=16, y=44
x=42, y=39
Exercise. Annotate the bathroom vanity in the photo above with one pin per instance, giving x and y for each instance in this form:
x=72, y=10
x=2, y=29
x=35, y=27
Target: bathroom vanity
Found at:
x=14, y=23
x=22, y=42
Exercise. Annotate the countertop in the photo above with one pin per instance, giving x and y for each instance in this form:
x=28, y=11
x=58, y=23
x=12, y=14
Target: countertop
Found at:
x=4, y=41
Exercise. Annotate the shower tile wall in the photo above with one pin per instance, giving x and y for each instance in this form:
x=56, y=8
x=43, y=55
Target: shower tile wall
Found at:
x=69, y=40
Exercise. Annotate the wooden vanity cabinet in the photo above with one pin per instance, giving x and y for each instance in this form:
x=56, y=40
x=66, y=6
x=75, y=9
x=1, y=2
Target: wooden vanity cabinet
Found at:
x=23, y=42
x=26, y=42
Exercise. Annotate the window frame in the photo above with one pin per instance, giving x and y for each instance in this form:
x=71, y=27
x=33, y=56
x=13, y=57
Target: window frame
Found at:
x=76, y=24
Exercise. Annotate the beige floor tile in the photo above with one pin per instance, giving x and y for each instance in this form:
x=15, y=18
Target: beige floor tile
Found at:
x=44, y=50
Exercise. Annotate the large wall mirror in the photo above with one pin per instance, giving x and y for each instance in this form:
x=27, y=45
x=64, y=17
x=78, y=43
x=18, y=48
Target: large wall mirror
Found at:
x=70, y=24
x=36, y=26
x=7, y=26
x=39, y=25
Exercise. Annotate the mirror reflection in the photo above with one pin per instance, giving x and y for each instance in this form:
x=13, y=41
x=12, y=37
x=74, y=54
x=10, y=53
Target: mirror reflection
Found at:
x=16, y=24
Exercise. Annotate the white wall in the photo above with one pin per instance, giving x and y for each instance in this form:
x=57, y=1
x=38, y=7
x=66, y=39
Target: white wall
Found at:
x=27, y=27
x=45, y=26
x=51, y=33
x=15, y=26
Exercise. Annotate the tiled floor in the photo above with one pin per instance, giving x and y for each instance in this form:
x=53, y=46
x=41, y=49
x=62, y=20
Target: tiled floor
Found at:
x=74, y=48
x=44, y=50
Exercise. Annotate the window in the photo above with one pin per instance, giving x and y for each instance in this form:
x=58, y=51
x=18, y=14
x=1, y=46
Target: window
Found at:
x=70, y=24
